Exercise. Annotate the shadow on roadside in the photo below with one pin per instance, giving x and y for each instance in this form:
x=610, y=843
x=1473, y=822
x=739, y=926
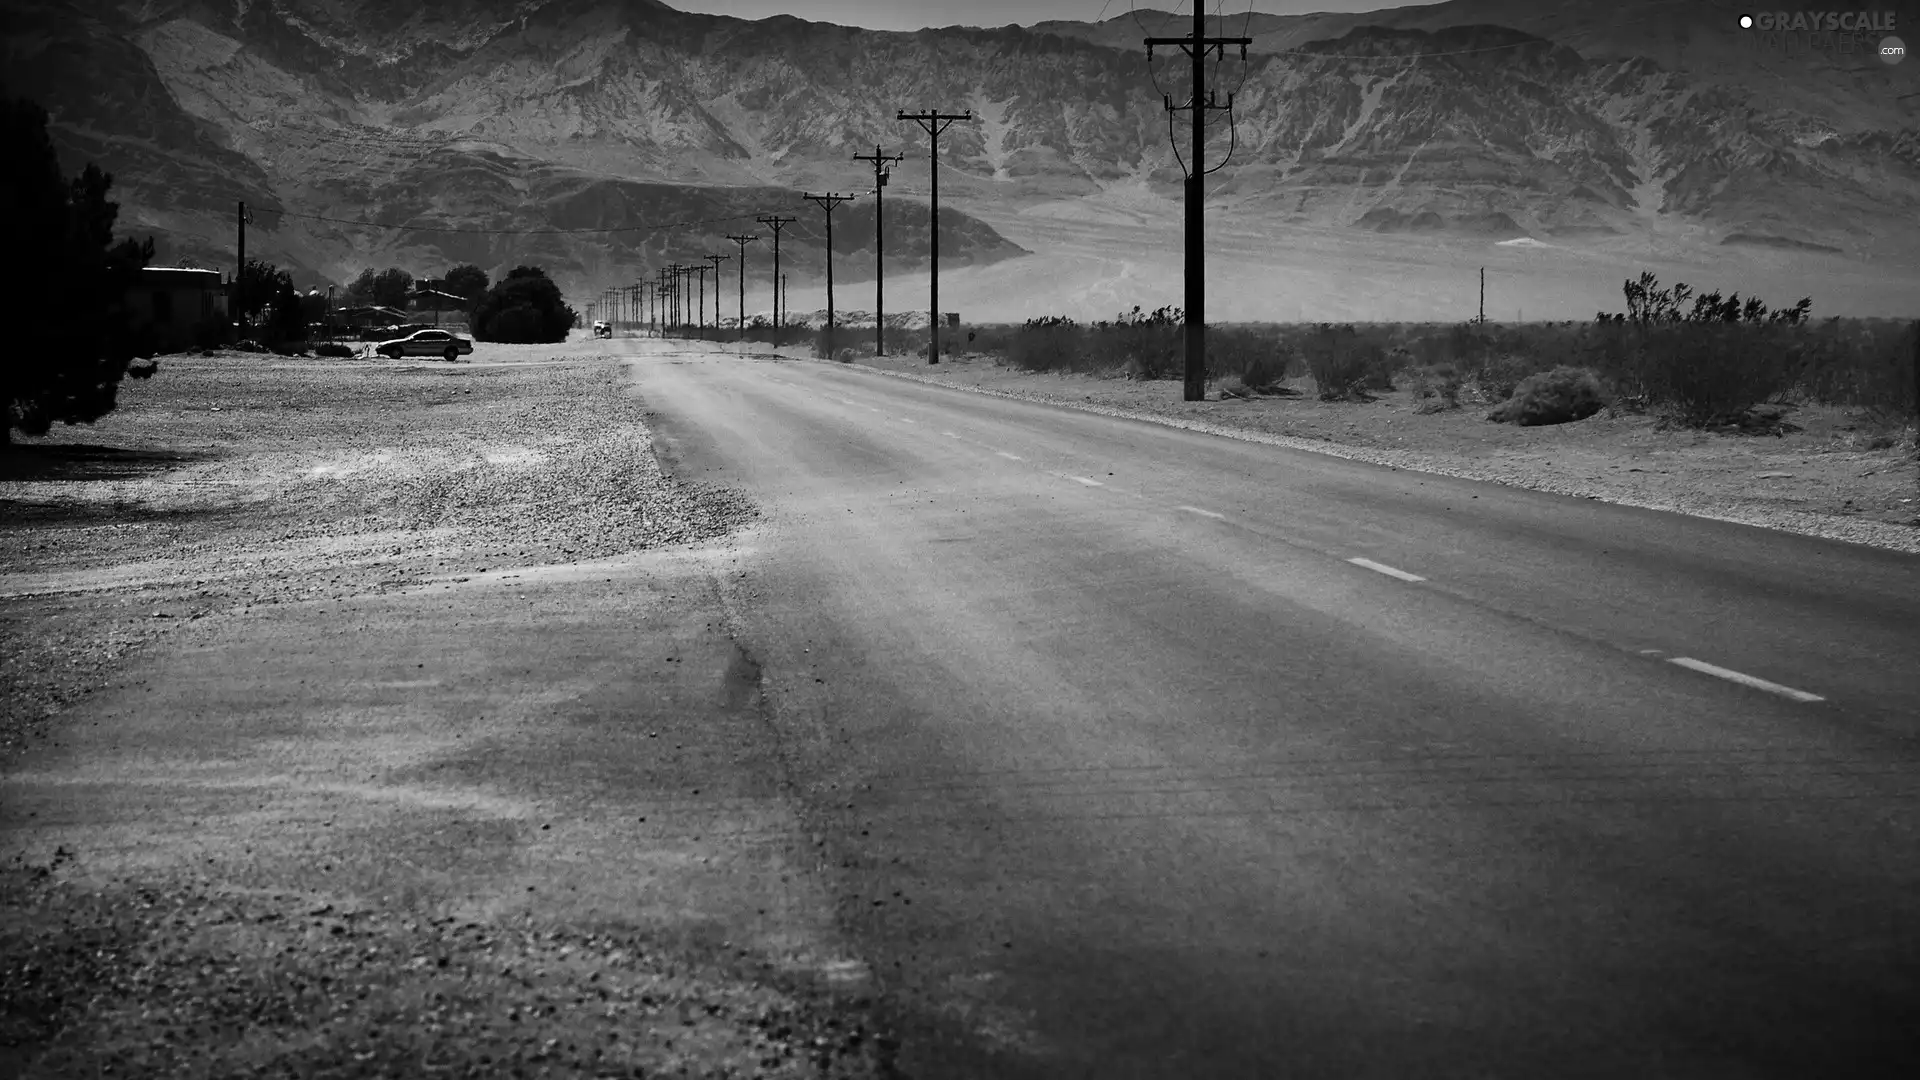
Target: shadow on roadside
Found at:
x=87, y=461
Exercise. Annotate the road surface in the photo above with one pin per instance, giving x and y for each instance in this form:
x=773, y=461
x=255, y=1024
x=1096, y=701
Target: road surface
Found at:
x=1136, y=752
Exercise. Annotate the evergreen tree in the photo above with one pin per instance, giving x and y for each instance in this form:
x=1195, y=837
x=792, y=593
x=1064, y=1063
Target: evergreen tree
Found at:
x=62, y=266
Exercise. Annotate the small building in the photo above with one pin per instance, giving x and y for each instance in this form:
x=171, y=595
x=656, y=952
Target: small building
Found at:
x=174, y=303
x=436, y=301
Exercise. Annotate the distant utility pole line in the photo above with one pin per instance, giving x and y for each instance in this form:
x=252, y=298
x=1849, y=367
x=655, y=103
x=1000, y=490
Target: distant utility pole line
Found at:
x=933, y=123
x=742, y=242
x=716, y=260
x=1197, y=47
x=881, y=174
x=827, y=202
x=776, y=223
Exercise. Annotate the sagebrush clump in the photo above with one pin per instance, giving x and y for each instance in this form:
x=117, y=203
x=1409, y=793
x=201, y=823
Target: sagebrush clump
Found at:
x=1559, y=396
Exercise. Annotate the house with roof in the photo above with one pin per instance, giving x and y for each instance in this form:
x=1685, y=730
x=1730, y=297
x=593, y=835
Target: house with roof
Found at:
x=176, y=305
x=426, y=299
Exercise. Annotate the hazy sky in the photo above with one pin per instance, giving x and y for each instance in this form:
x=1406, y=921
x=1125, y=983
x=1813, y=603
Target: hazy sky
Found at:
x=916, y=14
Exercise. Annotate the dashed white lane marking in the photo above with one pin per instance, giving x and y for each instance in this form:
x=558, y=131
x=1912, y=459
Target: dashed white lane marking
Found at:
x=1202, y=513
x=1743, y=679
x=1009, y=457
x=1387, y=570
x=949, y=434
x=903, y=419
x=1086, y=481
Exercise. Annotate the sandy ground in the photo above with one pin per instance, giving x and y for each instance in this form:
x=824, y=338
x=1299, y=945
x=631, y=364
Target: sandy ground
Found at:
x=377, y=719
x=1821, y=480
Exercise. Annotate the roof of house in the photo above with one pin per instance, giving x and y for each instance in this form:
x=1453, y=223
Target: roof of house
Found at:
x=182, y=276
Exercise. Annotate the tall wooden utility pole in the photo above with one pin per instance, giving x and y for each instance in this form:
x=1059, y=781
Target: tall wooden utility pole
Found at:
x=741, y=242
x=827, y=202
x=881, y=174
x=716, y=260
x=933, y=123
x=700, y=326
x=233, y=299
x=1197, y=47
x=776, y=223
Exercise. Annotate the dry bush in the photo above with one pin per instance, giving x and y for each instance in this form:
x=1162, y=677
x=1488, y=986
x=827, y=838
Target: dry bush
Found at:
x=1559, y=396
x=1435, y=387
x=1344, y=366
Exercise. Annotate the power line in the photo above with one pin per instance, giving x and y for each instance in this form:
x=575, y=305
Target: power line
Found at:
x=516, y=232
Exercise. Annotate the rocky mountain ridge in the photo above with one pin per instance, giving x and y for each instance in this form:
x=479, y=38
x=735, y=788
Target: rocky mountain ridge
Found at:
x=1480, y=118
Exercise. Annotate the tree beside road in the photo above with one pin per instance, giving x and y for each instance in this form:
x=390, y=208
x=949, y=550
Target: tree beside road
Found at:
x=68, y=277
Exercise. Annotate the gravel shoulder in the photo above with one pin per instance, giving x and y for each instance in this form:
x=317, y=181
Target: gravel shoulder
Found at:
x=1822, y=480
x=377, y=719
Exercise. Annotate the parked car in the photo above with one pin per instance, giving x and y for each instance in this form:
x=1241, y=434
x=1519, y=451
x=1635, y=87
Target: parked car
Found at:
x=426, y=343
x=601, y=329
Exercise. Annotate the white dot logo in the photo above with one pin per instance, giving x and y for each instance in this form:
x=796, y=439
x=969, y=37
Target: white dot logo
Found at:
x=1746, y=22
x=1892, y=50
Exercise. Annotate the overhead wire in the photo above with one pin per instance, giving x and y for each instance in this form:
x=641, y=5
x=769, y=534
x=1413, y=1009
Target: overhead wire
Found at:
x=513, y=232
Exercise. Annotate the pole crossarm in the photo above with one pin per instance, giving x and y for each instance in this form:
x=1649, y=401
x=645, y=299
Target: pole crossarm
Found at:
x=933, y=122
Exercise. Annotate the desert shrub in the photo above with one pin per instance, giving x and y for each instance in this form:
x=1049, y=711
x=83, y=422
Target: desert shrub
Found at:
x=1867, y=364
x=1700, y=372
x=1495, y=377
x=331, y=349
x=1559, y=396
x=1344, y=367
x=1435, y=386
x=1047, y=343
x=1143, y=344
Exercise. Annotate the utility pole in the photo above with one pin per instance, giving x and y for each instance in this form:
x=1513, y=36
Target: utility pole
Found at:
x=233, y=301
x=881, y=174
x=776, y=222
x=827, y=202
x=1483, y=294
x=741, y=242
x=933, y=123
x=1197, y=47
x=673, y=297
x=716, y=260
x=700, y=326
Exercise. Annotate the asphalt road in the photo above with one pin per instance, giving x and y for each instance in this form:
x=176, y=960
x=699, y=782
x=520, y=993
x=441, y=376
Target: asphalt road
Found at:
x=1136, y=752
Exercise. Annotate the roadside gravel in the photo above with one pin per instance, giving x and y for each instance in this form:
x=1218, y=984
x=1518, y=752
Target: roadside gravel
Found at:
x=191, y=979
x=225, y=483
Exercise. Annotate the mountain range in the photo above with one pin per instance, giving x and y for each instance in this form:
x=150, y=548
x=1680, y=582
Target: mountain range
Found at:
x=524, y=130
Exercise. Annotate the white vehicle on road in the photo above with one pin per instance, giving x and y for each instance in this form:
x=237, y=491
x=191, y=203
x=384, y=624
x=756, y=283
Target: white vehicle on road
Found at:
x=426, y=343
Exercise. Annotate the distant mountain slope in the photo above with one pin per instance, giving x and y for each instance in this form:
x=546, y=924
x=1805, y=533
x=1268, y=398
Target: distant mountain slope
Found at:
x=1479, y=118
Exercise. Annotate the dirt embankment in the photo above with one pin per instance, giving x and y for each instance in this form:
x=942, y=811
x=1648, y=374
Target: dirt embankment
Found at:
x=1832, y=474
x=348, y=735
